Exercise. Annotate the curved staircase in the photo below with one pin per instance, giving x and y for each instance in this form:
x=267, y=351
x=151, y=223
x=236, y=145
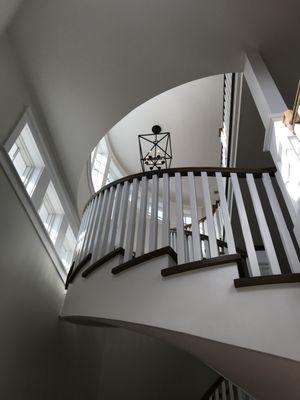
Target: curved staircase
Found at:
x=198, y=291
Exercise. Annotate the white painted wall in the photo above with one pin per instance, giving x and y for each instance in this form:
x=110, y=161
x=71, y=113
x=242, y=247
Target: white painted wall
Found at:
x=43, y=357
x=202, y=303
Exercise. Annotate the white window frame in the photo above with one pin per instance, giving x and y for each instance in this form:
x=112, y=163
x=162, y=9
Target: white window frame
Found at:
x=111, y=159
x=32, y=204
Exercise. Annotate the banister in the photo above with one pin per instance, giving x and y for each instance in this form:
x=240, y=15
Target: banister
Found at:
x=241, y=173
x=114, y=220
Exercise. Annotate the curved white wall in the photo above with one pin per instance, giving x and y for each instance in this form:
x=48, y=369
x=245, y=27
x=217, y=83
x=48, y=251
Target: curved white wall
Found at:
x=202, y=303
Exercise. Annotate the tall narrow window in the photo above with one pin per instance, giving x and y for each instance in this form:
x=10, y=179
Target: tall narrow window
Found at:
x=51, y=212
x=67, y=248
x=99, y=158
x=48, y=205
x=27, y=159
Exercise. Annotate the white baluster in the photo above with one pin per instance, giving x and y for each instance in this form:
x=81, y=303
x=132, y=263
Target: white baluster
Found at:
x=197, y=254
x=97, y=228
x=85, y=248
x=79, y=236
x=281, y=224
x=179, y=220
x=114, y=223
x=94, y=224
x=166, y=211
x=84, y=233
x=190, y=248
x=224, y=397
x=209, y=216
x=153, y=218
x=140, y=246
x=123, y=215
x=131, y=221
x=263, y=226
x=175, y=241
x=217, y=396
x=217, y=226
x=239, y=393
x=231, y=393
x=186, y=248
x=245, y=226
x=107, y=221
x=225, y=214
x=100, y=235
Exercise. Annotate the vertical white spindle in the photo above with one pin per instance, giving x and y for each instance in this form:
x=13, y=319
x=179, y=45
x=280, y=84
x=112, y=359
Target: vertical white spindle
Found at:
x=107, y=221
x=166, y=211
x=231, y=393
x=153, y=218
x=197, y=255
x=85, y=233
x=209, y=216
x=79, y=236
x=179, y=220
x=88, y=230
x=217, y=396
x=281, y=224
x=245, y=226
x=239, y=393
x=114, y=219
x=190, y=249
x=186, y=247
x=131, y=221
x=140, y=245
x=225, y=214
x=175, y=241
x=123, y=215
x=217, y=230
x=263, y=226
x=94, y=224
x=224, y=397
x=97, y=228
x=101, y=226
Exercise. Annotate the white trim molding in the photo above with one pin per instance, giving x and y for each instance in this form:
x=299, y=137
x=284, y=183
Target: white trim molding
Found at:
x=32, y=202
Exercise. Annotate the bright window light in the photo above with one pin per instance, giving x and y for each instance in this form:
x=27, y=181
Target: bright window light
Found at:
x=27, y=159
x=113, y=173
x=51, y=212
x=99, y=159
x=67, y=248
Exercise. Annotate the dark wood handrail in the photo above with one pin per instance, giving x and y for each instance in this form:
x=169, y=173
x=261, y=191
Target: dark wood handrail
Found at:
x=211, y=171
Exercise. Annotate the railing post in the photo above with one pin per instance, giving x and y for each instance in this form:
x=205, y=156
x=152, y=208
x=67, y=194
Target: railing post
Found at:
x=153, y=218
x=180, y=248
x=209, y=216
x=140, y=246
x=131, y=222
x=197, y=253
x=100, y=228
x=115, y=215
x=123, y=215
x=281, y=225
x=263, y=226
x=254, y=267
x=166, y=211
x=106, y=222
x=225, y=214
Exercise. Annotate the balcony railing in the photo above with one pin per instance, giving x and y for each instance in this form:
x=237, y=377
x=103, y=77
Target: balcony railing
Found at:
x=141, y=214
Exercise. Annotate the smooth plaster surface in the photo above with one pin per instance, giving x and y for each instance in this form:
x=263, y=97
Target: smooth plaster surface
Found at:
x=43, y=357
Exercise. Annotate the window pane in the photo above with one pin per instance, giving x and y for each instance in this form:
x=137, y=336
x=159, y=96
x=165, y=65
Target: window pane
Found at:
x=27, y=159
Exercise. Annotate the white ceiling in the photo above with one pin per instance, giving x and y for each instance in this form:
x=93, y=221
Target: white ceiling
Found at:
x=192, y=113
x=7, y=10
x=91, y=62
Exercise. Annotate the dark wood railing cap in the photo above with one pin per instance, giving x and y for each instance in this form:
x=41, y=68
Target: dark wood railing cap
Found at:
x=211, y=171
